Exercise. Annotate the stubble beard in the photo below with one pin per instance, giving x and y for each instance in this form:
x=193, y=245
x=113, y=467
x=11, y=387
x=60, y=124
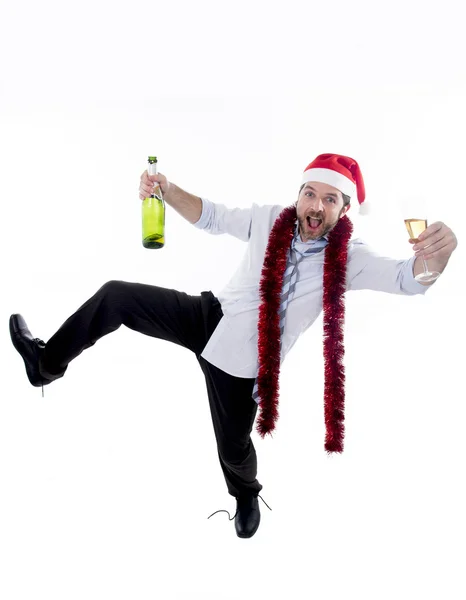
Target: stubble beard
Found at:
x=307, y=235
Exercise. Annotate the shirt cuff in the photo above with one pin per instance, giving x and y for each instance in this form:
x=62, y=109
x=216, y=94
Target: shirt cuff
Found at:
x=408, y=284
x=204, y=218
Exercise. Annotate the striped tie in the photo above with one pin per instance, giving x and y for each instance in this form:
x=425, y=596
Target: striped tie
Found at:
x=289, y=284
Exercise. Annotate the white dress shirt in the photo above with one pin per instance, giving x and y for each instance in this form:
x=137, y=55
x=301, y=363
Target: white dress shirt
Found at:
x=233, y=345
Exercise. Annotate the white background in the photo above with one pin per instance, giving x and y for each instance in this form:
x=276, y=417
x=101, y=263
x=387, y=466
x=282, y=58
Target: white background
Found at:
x=107, y=481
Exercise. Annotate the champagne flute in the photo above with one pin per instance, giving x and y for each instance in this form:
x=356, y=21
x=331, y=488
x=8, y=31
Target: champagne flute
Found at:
x=416, y=206
x=415, y=227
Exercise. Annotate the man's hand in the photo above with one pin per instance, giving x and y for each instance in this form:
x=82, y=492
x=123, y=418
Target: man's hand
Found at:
x=146, y=187
x=436, y=244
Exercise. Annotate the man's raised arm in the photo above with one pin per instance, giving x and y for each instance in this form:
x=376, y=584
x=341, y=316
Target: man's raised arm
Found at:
x=211, y=217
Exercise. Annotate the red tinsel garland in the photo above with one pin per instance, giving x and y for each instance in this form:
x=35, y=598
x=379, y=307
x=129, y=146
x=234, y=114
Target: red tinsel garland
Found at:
x=334, y=286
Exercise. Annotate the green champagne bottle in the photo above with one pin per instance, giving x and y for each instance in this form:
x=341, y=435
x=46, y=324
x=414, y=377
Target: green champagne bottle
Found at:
x=153, y=213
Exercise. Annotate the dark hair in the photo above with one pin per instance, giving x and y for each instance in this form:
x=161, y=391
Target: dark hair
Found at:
x=346, y=199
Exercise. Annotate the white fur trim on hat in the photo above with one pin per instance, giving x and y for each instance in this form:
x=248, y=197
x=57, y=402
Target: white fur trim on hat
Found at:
x=331, y=177
x=364, y=209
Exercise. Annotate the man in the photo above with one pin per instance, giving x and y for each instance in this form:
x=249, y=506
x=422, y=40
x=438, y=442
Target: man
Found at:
x=302, y=255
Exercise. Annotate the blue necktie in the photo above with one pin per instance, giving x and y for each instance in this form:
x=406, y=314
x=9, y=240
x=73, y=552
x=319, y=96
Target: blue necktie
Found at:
x=289, y=284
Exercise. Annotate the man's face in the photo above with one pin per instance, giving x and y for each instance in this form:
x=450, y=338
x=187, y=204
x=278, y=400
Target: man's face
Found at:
x=318, y=201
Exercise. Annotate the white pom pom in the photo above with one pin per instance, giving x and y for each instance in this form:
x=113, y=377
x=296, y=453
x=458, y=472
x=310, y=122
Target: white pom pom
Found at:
x=364, y=209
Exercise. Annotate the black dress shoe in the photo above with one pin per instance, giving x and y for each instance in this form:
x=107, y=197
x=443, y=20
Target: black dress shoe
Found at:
x=248, y=516
x=30, y=349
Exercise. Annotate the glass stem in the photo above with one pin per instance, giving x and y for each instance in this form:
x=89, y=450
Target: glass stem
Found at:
x=426, y=269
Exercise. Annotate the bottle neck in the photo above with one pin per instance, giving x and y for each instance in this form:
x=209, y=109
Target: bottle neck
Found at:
x=157, y=192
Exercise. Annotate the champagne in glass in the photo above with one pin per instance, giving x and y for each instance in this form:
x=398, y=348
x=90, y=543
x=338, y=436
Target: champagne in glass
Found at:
x=153, y=213
x=415, y=227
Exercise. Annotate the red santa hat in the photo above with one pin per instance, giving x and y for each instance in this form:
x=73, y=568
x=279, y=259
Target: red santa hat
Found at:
x=341, y=172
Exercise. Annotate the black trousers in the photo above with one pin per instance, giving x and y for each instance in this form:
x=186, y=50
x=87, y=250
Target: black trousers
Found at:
x=182, y=319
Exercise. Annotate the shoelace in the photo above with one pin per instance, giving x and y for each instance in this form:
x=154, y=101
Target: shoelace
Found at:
x=222, y=510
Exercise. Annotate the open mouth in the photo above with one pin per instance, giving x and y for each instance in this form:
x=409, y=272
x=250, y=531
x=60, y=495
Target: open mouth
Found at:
x=313, y=224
